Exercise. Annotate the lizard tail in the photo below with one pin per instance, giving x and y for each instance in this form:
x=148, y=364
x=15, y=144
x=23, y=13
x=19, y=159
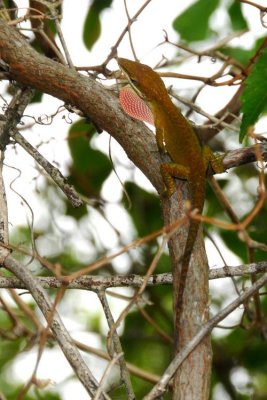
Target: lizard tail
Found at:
x=185, y=261
x=197, y=196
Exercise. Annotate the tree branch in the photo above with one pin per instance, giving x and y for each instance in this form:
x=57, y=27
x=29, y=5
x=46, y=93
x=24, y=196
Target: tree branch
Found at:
x=159, y=388
x=116, y=350
x=98, y=282
x=60, y=333
x=14, y=113
x=52, y=171
x=3, y=212
x=30, y=68
x=12, y=117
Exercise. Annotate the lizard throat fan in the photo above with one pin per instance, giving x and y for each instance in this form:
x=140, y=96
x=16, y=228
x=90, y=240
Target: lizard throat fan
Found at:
x=134, y=106
x=189, y=158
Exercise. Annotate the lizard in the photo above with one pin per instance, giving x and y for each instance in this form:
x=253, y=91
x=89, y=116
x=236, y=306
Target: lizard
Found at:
x=148, y=99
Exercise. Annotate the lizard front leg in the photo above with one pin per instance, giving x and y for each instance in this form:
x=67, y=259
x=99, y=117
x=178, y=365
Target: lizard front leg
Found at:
x=170, y=171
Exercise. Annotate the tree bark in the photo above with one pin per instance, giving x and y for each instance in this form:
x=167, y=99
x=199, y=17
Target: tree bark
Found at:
x=29, y=68
x=192, y=380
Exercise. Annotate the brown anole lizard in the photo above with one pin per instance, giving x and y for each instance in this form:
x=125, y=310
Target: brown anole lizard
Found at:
x=176, y=136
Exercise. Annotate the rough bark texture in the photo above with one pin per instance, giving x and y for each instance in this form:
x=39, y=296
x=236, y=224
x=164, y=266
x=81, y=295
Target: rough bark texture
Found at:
x=192, y=380
x=29, y=68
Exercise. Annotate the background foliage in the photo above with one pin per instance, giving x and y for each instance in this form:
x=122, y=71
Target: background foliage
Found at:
x=74, y=238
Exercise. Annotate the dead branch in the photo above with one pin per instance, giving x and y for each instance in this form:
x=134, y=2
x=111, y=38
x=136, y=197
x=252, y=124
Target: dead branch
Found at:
x=97, y=282
x=159, y=388
x=61, y=334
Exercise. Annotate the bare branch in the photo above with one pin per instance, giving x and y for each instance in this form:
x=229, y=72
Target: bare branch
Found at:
x=107, y=371
x=3, y=212
x=114, y=48
x=96, y=283
x=116, y=349
x=52, y=171
x=252, y=3
x=61, y=334
x=12, y=117
x=245, y=155
x=29, y=68
x=14, y=113
x=159, y=388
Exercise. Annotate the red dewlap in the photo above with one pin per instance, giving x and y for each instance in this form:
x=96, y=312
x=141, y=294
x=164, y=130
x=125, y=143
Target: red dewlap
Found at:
x=134, y=106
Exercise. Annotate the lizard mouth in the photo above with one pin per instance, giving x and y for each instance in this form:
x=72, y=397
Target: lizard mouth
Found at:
x=133, y=84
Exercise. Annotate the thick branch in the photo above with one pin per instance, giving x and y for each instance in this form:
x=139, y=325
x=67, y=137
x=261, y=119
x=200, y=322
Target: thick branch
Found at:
x=245, y=155
x=29, y=68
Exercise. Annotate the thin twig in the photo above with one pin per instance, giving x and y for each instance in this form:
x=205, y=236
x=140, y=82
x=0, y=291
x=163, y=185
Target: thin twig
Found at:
x=3, y=213
x=107, y=371
x=41, y=347
x=160, y=387
x=134, y=244
x=130, y=22
x=96, y=283
x=243, y=235
x=199, y=110
x=212, y=51
x=24, y=307
x=14, y=113
x=125, y=30
x=139, y=292
x=52, y=45
x=52, y=171
x=252, y=3
x=116, y=346
x=148, y=376
x=155, y=325
x=54, y=14
x=61, y=334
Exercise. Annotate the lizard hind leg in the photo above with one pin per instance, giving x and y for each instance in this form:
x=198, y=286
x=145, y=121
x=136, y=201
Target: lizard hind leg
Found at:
x=215, y=160
x=169, y=171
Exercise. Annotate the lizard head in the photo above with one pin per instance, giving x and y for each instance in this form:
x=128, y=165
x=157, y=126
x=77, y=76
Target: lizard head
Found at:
x=145, y=82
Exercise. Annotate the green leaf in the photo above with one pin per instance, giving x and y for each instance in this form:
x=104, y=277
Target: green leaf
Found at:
x=254, y=98
x=9, y=350
x=92, y=24
x=213, y=206
x=79, y=137
x=37, y=97
x=145, y=211
x=90, y=167
x=193, y=23
x=138, y=332
x=258, y=231
x=238, y=53
x=231, y=240
x=243, y=55
x=237, y=19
